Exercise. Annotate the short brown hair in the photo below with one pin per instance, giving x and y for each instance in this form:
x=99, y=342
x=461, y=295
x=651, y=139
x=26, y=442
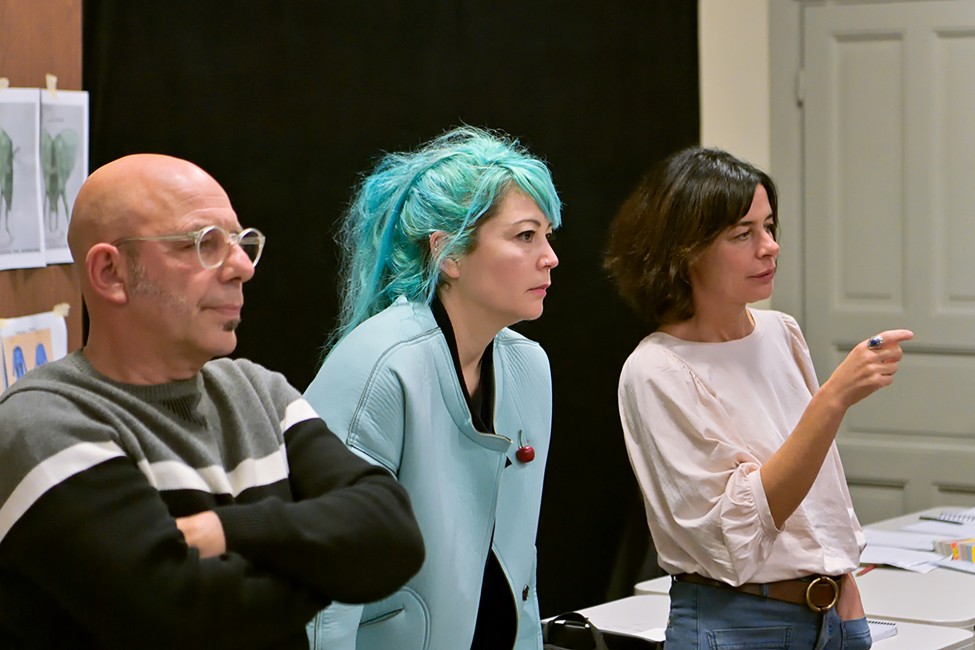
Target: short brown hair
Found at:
x=673, y=215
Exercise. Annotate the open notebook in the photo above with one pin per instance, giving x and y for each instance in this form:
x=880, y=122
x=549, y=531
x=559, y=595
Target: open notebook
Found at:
x=881, y=629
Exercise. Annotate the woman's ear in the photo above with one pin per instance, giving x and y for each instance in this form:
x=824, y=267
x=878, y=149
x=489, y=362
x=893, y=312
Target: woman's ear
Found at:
x=448, y=265
x=107, y=274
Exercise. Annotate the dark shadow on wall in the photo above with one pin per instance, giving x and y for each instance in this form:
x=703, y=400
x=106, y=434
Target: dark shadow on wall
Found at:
x=287, y=103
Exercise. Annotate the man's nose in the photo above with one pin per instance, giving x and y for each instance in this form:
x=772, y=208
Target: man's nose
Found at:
x=237, y=264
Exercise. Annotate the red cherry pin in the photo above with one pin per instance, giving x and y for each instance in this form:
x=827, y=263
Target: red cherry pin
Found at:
x=525, y=453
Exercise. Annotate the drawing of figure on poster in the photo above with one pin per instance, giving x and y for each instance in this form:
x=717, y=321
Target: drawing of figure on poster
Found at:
x=64, y=165
x=21, y=238
x=13, y=349
x=6, y=181
x=58, y=158
x=30, y=341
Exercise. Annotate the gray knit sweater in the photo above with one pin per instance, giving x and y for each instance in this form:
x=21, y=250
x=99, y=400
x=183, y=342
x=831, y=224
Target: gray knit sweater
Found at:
x=93, y=473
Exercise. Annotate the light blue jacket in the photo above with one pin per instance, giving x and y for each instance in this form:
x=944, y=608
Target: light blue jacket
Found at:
x=389, y=389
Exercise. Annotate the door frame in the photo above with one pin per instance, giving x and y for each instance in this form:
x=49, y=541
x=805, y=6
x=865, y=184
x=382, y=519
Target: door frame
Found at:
x=786, y=152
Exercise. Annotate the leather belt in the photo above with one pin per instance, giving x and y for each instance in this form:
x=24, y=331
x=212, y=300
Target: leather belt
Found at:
x=819, y=593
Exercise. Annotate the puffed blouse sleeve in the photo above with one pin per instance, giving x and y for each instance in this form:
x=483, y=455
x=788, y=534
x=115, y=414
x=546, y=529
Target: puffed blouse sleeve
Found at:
x=707, y=508
x=800, y=352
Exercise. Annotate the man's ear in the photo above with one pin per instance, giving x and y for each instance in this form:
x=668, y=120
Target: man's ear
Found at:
x=448, y=266
x=107, y=273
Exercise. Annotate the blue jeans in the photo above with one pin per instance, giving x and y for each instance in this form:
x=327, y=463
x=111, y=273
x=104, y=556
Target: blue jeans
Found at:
x=713, y=618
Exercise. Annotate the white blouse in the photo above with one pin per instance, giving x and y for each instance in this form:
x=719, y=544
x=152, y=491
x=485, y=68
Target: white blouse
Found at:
x=699, y=421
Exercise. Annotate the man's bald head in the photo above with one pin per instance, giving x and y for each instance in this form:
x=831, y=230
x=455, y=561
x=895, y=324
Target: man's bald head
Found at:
x=125, y=197
x=155, y=312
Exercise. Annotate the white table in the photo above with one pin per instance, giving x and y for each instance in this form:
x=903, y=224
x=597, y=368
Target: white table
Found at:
x=896, y=523
x=646, y=615
x=655, y=586
x=941, y=597
x=915, y=636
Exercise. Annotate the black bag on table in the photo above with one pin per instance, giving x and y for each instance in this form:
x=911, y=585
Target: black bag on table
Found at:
x=573, y=631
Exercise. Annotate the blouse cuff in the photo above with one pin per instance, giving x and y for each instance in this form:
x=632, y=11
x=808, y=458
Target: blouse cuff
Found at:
x=761, y=503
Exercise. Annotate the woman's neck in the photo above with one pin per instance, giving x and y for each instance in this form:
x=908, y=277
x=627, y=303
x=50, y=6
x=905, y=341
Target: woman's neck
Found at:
x=472, y=337
x=710, y=326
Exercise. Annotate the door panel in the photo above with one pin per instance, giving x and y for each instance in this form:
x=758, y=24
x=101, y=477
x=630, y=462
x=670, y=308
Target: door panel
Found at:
x=889, y=232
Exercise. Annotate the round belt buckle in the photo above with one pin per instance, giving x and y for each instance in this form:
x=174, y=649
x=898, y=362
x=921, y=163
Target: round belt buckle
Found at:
x=836, y=593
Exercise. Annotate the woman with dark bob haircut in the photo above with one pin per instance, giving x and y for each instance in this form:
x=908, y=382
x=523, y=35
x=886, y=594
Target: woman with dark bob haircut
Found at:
x=729, y=434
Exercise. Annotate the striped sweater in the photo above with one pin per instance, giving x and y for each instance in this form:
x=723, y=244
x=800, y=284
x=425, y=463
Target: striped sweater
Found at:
x=93, y=473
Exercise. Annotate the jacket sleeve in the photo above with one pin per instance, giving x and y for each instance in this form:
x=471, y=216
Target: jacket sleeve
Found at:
x=350, y=535
x=103, y=545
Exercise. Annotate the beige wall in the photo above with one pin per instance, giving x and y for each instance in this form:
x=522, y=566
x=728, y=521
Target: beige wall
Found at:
x=734, y=59
x=735, y=79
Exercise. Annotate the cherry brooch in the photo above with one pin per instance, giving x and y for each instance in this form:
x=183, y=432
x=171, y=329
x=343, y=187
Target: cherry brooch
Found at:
x=525, y=453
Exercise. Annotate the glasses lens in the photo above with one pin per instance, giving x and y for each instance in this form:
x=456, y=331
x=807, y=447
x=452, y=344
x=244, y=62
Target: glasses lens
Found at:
x=212, y=247
x=252, y=242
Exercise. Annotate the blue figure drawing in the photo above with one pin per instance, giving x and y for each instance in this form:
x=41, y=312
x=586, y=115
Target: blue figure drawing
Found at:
x=57, y=163
x=20, y=364
x=40, y=355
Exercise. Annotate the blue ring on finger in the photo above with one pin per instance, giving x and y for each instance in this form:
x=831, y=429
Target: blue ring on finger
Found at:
x=875, y=343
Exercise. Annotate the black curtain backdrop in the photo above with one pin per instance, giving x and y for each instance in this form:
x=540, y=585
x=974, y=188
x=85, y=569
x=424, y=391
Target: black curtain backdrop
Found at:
x=287, y=103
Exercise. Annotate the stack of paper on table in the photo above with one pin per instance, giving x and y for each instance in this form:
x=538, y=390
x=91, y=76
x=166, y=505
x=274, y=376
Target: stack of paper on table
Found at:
x=920, y=546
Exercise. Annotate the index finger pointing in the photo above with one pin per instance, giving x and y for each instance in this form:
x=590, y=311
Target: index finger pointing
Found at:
x=896, y=336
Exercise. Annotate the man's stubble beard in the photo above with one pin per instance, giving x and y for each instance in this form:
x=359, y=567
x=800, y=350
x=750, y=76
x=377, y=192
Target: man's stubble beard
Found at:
x=141, y=285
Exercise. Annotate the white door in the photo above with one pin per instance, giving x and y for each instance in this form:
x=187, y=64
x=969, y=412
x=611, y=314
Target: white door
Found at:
x=889, y=236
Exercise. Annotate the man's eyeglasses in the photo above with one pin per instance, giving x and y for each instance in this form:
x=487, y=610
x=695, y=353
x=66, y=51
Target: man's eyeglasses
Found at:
x=213, y=243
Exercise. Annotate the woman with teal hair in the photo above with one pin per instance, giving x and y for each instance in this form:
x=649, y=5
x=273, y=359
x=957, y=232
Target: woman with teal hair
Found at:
x=444, y=248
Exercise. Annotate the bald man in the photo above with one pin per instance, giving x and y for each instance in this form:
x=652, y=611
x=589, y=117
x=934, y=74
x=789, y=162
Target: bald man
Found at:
x=151, y=496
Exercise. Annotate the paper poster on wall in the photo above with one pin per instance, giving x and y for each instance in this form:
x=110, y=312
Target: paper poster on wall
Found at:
x=21, y=237
x=64, y=165
x=30, y=341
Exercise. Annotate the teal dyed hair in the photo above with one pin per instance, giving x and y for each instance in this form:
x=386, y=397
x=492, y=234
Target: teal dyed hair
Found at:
x=452, y=184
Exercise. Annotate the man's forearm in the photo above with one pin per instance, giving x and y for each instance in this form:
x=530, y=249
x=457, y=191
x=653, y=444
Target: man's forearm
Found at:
x=103, y=542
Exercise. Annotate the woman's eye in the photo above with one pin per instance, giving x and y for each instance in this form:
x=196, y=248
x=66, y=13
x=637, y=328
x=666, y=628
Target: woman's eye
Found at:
x=742, y=235
x=527, y=235
x=550, y=235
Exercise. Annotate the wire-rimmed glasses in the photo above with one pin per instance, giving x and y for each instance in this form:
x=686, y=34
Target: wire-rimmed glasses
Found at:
x=213, y=243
